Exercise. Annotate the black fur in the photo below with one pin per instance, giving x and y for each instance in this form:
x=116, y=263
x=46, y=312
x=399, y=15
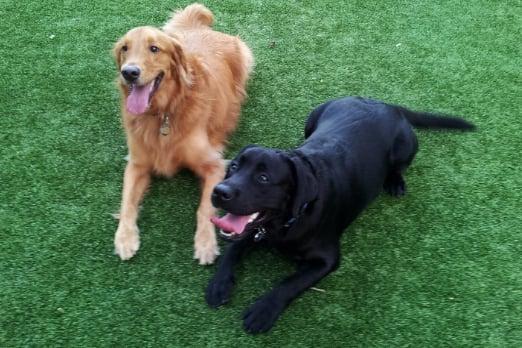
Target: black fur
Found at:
x=355, y=147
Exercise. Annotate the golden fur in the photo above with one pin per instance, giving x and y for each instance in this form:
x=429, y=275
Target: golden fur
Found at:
x=203, y=85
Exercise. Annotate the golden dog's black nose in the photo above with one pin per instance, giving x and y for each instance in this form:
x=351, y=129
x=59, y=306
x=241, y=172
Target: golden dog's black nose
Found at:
x=222, y=193
x=130, y=73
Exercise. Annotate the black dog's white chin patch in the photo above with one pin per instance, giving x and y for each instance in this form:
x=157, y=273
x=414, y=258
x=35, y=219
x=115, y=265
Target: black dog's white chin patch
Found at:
x=231, y=225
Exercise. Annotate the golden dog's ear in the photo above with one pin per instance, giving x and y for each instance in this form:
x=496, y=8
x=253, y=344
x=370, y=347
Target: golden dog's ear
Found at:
x=116, y=51
x=179, y=62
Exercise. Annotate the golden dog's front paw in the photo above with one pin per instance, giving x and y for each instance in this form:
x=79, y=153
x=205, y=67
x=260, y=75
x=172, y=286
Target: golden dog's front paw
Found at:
x=205, y=245
x=126, y=241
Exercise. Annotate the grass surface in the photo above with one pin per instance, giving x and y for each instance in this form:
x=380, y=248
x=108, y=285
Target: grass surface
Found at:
x=439, y=267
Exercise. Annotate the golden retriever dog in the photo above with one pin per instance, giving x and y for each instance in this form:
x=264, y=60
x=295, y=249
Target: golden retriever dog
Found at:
x=181, y=91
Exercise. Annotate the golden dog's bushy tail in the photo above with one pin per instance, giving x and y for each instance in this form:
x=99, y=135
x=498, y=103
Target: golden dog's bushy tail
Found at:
x=192, y=16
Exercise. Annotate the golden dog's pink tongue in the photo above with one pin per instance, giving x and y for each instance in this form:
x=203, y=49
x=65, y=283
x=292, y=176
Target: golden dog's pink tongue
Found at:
x=231, y=223
x=138, y=99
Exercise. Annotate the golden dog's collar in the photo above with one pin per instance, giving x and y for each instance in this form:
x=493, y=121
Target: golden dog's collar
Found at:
x=165, y=124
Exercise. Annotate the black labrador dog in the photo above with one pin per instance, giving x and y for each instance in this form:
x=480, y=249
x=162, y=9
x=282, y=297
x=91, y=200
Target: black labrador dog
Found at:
x=300, y=201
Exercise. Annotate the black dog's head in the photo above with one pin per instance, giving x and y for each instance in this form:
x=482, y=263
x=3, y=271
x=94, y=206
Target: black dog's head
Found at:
x=261, y=184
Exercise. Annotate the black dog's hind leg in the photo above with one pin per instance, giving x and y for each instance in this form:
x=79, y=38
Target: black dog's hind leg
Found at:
x=261, y=316
x=220, y=286
x=401, y=155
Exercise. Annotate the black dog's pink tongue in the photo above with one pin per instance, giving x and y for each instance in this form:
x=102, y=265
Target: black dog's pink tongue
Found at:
x=138, y=99
x=231, y=223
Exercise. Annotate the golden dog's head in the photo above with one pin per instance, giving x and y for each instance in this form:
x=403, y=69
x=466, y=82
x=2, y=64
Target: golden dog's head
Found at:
x=152, y=65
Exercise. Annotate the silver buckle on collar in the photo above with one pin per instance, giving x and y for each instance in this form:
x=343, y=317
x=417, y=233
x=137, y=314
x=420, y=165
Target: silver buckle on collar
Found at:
x=261, y=232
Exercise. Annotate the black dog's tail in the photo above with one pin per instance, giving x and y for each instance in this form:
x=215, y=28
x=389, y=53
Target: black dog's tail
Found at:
x=429, y=120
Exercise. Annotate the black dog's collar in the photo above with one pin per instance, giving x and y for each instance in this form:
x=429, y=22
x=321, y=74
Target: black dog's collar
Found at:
x=293, y=219
x=261, y=231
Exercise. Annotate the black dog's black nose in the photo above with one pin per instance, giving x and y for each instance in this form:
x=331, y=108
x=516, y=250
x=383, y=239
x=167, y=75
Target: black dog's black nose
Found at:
x=130, y=73
x=223, y=192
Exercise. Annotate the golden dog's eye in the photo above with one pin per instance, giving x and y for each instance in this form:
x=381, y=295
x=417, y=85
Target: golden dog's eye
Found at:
x=154, y=49
x=124, y=48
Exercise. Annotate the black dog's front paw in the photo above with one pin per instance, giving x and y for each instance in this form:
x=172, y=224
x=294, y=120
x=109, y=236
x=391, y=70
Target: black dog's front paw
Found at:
x=261, y=316
x=218, y=291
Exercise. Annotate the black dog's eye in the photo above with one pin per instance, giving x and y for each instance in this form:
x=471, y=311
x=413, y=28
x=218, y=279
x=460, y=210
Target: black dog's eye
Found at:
x=154, y=49
x=232, y=167
x=124, y=48
x=263, y=178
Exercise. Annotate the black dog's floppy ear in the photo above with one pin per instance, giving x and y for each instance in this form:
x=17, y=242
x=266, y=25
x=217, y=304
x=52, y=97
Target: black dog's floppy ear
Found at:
x=305, y=185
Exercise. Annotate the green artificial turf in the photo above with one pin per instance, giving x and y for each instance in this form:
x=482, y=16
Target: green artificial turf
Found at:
x=440, y=267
